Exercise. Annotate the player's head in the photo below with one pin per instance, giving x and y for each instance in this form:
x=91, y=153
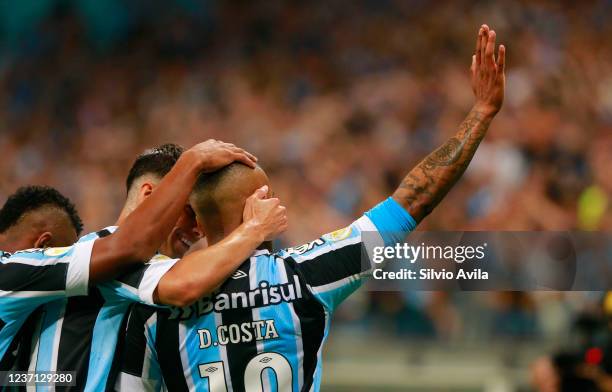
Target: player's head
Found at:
x=218, y=198
x=146, y=173
x=38, y=217
x=149, y=168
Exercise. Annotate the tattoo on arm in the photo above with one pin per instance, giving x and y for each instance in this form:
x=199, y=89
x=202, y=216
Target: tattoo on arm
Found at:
x=427, y=184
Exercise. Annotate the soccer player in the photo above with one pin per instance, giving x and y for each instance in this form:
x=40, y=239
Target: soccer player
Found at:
x=80, y=333
x=37, y=276
x=38, y=217
x=265, y=327
x=34, y=217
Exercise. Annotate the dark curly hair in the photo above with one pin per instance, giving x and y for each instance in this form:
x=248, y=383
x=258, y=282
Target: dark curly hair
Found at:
x=33, y=197
x=158, y=161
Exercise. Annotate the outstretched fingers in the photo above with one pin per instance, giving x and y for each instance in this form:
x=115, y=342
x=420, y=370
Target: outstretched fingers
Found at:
x=501, y=60
x=484, y=37
x=477, y=55
x=490, y=51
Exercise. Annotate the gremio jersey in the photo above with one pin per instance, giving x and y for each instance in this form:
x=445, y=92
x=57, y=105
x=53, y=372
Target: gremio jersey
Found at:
x=80, y=334
x=34, y=277
x=264, y=329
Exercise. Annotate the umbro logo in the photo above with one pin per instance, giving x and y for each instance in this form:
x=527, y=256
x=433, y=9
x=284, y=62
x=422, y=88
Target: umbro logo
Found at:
x=239, y=274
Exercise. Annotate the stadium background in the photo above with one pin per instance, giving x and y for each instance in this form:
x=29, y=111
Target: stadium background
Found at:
x=338, y=100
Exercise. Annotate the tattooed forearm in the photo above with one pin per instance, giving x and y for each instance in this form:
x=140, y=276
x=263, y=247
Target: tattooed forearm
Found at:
x=427, y=184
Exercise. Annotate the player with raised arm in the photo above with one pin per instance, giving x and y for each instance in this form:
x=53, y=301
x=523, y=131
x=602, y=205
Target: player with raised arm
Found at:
x=80, y=334
x=264, y=328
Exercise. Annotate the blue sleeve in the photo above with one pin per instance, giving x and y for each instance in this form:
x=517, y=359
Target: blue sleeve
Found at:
x=392, y=221
x=333, y=266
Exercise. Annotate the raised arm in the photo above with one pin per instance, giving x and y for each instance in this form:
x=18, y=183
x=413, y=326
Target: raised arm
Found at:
x=427, y=184
x=144, y=230
x=200, y=272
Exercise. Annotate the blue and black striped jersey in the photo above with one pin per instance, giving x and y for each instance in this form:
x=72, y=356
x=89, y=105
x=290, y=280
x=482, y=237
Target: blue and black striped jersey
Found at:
x=265, y=327
x=80, y=334
x=33, y=277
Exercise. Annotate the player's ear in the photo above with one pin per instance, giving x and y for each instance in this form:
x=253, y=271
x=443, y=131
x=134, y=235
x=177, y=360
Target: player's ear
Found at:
x=44, y=240
x=145, y=190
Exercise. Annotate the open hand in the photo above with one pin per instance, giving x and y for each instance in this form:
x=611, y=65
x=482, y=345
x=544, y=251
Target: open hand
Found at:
x=214, y=154
x=488, y=79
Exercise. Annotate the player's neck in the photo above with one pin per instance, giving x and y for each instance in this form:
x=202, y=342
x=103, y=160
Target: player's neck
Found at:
x=128, y=208
x=215, y=236
x=220, y=226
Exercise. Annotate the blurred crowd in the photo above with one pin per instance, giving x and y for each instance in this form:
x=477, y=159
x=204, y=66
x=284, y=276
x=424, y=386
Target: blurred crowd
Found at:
x=338, y=99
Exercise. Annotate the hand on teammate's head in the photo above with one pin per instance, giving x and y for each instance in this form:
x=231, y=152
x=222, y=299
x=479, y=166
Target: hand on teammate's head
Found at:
x=266, y=212
x=488, y=78
x=214, y=154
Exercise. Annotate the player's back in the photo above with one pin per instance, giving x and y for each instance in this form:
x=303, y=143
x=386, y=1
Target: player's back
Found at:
x=263, y=317
x=263, y=329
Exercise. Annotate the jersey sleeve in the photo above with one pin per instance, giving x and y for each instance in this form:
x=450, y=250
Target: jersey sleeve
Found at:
x=140, y=370
x=50, y=272
x=34, y=277
x=334, y=264
x=139, y=284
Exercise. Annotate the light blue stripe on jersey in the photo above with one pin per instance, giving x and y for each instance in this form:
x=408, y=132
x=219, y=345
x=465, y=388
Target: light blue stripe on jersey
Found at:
x=268, y=269
x=334, y=297
x=51, y=318
x=195, y=354
x=9, y=313
x=115, y=291
x=154, y=374
x=103, y=345
x=15, y=311
x=192, y=339
x=392, y=221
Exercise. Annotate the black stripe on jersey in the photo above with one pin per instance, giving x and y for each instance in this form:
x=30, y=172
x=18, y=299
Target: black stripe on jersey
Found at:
x=168, y=352
x=238, y=354
x=333, y=266
x=134, y=275
x=22, y=343
x=103, y=233
x=74, y=349
x=133, y=357
x=25, y=277
x=311, y=314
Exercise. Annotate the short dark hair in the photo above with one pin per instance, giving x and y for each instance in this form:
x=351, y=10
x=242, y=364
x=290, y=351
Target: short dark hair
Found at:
x=32, y=197
x=205, y=193
x=158, y=161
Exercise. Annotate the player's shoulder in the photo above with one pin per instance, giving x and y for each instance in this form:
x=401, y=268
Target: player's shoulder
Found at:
x=98, y=234
x=36, y=255
x=332, y=239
